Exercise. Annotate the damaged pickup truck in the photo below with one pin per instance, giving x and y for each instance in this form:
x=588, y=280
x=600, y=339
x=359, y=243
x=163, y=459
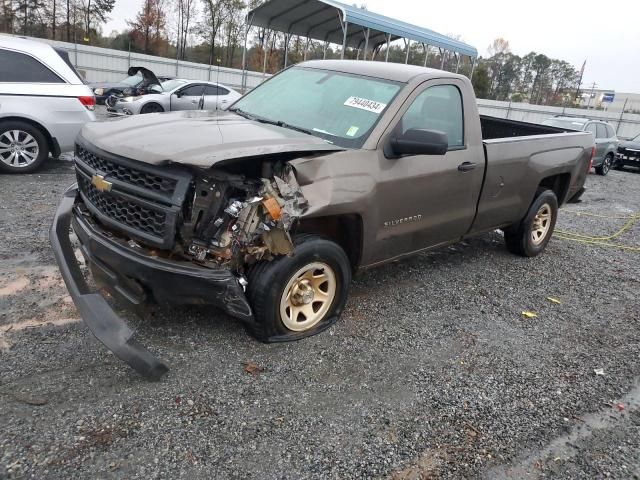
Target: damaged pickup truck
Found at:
x=267, y=209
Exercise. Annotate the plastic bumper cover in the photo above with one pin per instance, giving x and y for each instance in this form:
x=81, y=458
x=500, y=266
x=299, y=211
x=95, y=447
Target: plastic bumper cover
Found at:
x=121, y=270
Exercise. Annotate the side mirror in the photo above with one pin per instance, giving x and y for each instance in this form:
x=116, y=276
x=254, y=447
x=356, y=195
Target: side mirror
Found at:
x=420, y=142
x=179, y=94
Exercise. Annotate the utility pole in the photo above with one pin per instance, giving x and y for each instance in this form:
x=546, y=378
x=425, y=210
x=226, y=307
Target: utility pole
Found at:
x=593, y=87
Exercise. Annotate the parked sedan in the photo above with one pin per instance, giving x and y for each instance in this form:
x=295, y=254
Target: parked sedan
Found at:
x=603, y=133
x=138, y=80
x=176, y=95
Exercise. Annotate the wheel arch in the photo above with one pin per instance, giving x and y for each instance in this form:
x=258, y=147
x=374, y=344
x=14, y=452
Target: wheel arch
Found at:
x=559, y=184
x=345, y=230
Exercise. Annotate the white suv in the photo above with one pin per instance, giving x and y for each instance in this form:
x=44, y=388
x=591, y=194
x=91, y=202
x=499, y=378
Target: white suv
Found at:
x=43, y=104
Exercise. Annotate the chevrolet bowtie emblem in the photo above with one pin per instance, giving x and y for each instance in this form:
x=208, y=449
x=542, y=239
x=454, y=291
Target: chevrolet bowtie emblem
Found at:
x=100, y=183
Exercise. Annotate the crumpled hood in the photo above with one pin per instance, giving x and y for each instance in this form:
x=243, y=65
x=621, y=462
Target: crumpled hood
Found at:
x=198, y=138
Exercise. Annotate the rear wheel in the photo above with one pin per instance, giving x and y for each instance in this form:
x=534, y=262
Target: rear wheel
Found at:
x=531, y=236
x=152, y=108
x=300, y=295
x=606, y=165
x=23, y=147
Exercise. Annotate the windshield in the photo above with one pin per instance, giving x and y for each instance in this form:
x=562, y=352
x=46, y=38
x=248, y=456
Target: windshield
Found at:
x=133, y=80
x=565, y=123
x=169, y=85
x=336, y=106
x=636, y=138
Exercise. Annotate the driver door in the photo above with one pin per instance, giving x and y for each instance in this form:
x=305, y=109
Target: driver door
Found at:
x=428, y=200
x=187, y=98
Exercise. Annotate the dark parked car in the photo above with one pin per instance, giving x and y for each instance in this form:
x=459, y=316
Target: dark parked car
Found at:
x=140, y=79
x=629, y=153
x=605, y=135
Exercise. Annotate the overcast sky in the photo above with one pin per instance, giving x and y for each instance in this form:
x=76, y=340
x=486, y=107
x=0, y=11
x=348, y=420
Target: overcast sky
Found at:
x=605, y=34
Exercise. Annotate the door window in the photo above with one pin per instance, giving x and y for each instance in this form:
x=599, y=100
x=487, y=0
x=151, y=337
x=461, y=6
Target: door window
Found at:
x=215, y=90
x=20, y=68
x=193, y=91
x=602, y=131
x=591, y=128
x=437, y=108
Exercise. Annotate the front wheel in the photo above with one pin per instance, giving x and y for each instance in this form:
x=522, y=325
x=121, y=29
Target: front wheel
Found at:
x=152, y=108
x=531, y=236
x=606, y=165
x=297, y=296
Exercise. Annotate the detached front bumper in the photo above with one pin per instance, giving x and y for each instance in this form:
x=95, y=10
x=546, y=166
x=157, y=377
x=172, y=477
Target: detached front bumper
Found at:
x=135, y=278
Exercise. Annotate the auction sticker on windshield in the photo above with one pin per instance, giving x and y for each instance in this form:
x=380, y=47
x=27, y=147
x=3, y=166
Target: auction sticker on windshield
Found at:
x=364, y=104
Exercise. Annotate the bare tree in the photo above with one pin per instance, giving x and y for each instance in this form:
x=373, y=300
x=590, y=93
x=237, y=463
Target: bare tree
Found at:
x=187, y=10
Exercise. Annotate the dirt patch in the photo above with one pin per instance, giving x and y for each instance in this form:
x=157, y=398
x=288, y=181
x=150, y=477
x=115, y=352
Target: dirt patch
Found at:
x=14, y=287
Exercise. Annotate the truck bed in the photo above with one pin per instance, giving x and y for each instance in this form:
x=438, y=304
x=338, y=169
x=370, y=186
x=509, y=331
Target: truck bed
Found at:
x=495, y=128
x=515, y=153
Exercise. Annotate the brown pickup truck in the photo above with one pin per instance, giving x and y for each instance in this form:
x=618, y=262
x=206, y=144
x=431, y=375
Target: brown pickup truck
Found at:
x=266, y=210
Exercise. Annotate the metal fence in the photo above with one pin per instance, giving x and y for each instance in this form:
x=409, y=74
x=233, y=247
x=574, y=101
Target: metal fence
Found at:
x=626, y=125
x=98, y=64
x=104, y=64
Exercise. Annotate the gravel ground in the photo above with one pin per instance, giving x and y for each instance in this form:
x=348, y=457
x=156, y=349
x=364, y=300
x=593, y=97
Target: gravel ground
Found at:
x=431, y=373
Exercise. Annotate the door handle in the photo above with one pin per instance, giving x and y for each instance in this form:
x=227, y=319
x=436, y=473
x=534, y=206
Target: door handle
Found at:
x=467, y=166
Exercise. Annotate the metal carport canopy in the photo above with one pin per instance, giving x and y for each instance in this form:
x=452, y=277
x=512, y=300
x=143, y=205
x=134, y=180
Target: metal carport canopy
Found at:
x=325, y=20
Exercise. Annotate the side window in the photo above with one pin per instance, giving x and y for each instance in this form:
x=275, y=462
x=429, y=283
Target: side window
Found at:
x=610, y=132
x=437, y=108
x=192, y=90
x=592, y=129
x=602, y=131
x=20, y=68
x=214, y=90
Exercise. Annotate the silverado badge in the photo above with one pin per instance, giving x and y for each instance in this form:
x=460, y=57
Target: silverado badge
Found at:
x=100, y=183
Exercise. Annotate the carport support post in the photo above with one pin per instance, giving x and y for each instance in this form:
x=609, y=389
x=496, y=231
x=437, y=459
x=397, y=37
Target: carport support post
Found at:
x=324, y=50
x=264, y=60
x=287, y=38
x=366, y=44
x=426, y=53
x=458, y=56
x=473, y=67
x=386, y=55
x=406, y=58
x=442, y=52
x=306, y=49
x=345, y=27
x=244, y=53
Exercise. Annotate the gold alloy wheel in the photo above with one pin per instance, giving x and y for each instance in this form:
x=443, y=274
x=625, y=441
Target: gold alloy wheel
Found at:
x=308, y=296
x=541, y=224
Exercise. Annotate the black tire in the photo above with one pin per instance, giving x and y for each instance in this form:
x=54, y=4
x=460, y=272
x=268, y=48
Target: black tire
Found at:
x=519, y=238
x=23, y=164
x=152, y=108
x=606, y=165
x=268, y=281
x=617, y=164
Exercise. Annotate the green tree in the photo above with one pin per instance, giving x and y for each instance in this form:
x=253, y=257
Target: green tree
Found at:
x=481, y=80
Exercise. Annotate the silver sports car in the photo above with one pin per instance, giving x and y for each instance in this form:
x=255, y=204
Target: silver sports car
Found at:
x=175, y=94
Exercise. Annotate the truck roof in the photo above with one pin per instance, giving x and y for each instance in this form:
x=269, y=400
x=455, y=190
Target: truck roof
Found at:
x=396, y=72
